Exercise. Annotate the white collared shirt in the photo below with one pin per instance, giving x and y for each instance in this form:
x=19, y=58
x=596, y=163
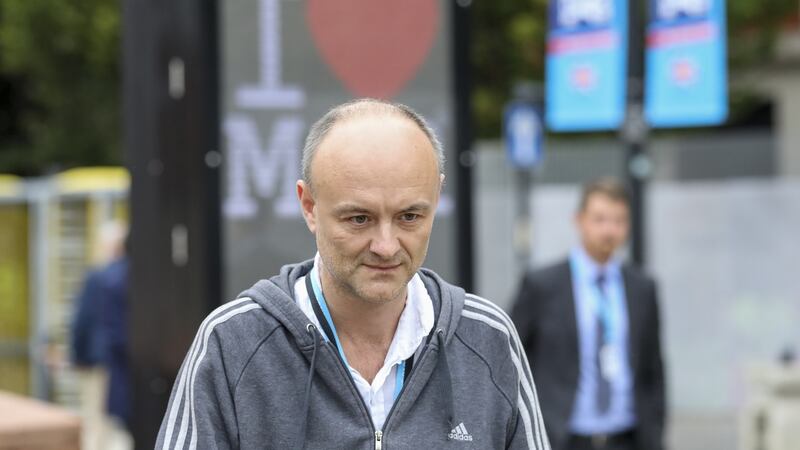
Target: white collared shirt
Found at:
x=416, y=322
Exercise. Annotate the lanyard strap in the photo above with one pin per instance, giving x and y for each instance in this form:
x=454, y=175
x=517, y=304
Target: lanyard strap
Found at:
x=323, y=314
x=320, y=307
x=605, y=309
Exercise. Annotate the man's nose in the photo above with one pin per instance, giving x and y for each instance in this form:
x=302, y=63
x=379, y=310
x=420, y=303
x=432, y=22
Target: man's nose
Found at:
x=385, y=243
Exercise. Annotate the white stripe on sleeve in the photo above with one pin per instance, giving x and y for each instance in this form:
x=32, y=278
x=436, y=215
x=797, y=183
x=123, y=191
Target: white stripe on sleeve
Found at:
x=493, y=316
x=183, y=376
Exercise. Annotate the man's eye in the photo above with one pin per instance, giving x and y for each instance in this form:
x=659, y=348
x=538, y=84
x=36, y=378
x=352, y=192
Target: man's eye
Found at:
x=359, y=220
x=409, y=217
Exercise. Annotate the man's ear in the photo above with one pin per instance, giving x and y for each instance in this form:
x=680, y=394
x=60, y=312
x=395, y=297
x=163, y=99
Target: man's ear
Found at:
x=307, y=205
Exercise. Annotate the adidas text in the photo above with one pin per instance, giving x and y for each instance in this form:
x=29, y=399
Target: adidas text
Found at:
x=460, y=433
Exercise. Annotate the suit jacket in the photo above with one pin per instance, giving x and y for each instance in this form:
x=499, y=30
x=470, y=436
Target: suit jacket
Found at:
x=544, y=314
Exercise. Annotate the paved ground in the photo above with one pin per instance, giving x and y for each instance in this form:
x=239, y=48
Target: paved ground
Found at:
x=692, y=432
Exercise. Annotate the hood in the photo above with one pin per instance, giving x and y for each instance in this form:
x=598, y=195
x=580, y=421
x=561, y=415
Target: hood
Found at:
x=276, y=296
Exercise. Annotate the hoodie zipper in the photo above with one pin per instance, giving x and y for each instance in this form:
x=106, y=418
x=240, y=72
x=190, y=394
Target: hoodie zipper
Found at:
x=417, y=364
x=378, y=433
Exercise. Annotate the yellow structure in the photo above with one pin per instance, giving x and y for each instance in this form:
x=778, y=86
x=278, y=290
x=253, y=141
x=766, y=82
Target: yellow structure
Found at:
x=14, y=298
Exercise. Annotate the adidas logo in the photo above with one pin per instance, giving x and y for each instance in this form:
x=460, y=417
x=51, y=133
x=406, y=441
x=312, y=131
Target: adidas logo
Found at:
x=460, y=433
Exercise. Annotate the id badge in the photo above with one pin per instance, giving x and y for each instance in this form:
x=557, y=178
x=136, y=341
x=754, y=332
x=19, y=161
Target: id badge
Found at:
x=610, y=363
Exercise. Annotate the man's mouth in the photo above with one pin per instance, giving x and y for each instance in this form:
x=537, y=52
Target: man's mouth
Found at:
x=383, y=267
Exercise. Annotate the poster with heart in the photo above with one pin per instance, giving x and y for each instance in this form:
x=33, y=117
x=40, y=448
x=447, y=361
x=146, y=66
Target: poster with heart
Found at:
x=284, y=63
x=373, y=47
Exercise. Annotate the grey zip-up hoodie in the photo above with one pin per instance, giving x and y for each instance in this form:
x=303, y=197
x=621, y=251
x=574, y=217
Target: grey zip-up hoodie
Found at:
x=259, y=375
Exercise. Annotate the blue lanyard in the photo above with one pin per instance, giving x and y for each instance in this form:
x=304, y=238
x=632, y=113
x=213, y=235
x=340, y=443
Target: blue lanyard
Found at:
x=399, y=379
x=316, y=295
x=318, y=299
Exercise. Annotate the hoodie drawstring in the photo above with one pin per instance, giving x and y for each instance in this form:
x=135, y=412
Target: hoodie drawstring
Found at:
x=307, y=399
x=445, y=380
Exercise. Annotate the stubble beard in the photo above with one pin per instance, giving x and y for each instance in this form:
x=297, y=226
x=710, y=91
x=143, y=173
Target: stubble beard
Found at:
x=346, y=278
x=605, y=248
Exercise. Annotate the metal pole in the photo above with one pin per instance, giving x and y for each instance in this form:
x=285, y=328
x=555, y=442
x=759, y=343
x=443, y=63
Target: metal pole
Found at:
x=522, y=223
x=38, y=267
x=463, y=143
x=533, y=94
x=171, y=127
x=634, y=133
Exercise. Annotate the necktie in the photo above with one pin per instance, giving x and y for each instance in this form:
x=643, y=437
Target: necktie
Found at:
x=603, y=394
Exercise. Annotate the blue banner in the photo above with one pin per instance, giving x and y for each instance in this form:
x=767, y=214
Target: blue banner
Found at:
x=686, y=69
x=586, y=66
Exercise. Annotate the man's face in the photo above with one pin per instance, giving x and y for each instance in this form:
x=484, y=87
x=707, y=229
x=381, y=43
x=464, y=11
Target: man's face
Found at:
x=375, y=188
x=603, y=225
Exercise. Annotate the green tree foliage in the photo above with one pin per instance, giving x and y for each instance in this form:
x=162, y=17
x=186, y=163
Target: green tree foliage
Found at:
x=508, y=39
x=753, y=26
x=60, y=80
x=59, y=71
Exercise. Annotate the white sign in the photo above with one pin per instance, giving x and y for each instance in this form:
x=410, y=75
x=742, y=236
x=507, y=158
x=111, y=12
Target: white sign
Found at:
x=672, y=9
x=256, y=171
x=591, y=12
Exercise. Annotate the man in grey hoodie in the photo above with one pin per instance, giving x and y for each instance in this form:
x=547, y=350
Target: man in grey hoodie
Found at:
x=360, y=347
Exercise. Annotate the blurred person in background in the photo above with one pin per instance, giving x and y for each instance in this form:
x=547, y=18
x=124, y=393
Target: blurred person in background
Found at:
x=99, y=344
x=590, y=328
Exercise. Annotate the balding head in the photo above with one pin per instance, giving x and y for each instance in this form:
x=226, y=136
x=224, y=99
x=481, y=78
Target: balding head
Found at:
x=360, y=108
x=375, y=169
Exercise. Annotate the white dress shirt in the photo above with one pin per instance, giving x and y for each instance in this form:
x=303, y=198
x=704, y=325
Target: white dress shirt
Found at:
x=416, y=322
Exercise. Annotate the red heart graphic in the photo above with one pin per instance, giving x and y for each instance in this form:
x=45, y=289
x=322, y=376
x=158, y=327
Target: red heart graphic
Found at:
x=373, y=46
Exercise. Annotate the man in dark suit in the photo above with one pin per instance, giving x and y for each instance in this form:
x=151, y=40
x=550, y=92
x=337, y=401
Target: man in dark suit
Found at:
x=590, y=327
